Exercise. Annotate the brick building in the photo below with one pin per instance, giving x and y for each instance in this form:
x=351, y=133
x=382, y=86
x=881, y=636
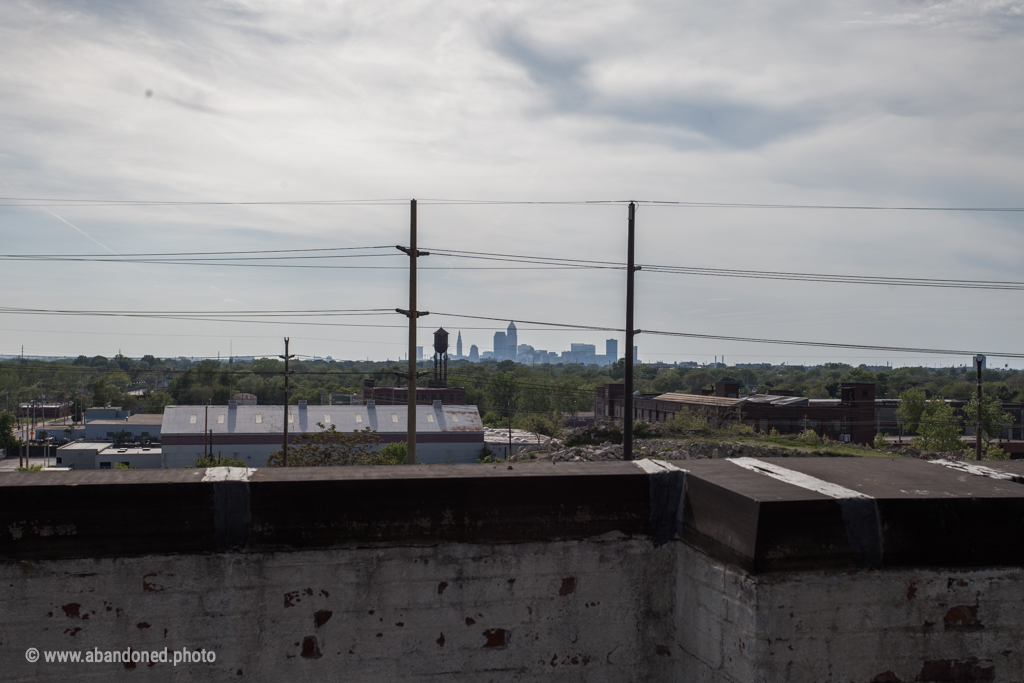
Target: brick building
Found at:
x=851, y=417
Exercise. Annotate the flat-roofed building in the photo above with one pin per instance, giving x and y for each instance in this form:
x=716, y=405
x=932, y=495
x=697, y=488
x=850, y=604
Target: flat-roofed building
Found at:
x=251, y=433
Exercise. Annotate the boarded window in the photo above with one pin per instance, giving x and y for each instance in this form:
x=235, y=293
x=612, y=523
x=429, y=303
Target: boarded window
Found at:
x=359, y=418
x=291, y=419
x=220, y=419
x=455, y=417
x=327, y=419
x=394, y=417
x=430, y=418
x=192, y=419
x=259, y=419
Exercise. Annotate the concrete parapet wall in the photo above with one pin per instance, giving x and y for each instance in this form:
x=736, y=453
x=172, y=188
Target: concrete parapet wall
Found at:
x=862, y=570
x=862, y=626
x=569, y=611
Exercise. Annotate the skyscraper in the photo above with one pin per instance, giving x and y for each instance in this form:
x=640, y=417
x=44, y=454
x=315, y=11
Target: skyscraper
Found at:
x=458, y=346
x=611, y=350
x=500, y=346
x=511, y=342
x=474, y=354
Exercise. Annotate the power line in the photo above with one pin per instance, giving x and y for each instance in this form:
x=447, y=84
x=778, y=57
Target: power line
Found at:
x=54, y=201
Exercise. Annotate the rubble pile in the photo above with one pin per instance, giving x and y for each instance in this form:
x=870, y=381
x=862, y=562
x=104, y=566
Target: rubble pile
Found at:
x=664, y=449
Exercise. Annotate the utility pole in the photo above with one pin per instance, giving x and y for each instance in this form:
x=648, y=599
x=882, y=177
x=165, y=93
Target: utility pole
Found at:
x=979, y=360
x=286, y=358
x=413, y=315
x=206, y=429
x=627, y=418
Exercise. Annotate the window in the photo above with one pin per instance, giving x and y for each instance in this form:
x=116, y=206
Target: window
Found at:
x=220, y=419
x=259, y=419
x=192, y=419
x=359, y=418
x=327, y=419
x=104, y=465
x=110, y=435
x=145, y=434
x=451, y=397
x=394, y=417
x=455, y=417
x=430, y=418
x=59, y=461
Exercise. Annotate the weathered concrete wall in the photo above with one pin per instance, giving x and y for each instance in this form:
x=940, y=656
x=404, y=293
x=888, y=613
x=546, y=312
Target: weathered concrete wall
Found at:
x=573, y=611
x=878, y=626
x=844, y=570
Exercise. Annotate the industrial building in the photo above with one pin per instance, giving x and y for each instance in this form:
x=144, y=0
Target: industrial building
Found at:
x=850, y=418
x=101, y=455
x=136, y=428
x=250, y=433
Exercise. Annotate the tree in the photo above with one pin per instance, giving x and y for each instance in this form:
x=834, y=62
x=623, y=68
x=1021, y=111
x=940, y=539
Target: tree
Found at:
x=938, y=427
x=8, y=441
x=698, y=379
x=504, y=392
x=993, y=419
x=912, y=406
x=329, y=447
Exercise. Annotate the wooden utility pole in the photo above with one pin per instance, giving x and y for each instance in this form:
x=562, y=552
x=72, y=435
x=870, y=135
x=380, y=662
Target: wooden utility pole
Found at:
x=286, y=358
x=627, y=417
x=979, y=360
x=413, y=315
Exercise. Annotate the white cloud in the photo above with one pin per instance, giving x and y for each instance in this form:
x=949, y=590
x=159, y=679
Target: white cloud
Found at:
x=912, y=103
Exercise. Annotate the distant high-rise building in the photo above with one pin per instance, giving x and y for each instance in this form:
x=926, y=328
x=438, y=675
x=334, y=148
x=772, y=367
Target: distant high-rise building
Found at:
x=419, y=353
x=474, y=354
x=511, y=342
x=500, y=346
x=611, y=350
x=636, y=356
x=458, y=346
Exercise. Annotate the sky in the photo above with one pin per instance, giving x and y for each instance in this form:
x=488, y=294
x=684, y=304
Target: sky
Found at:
x=223, y=104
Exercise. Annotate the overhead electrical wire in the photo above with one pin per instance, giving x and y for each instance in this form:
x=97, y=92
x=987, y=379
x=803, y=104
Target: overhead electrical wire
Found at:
x=266, y=259
x=55, y=201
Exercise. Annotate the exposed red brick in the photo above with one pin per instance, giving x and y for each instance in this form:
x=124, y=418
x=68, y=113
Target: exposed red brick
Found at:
x=441, y=586
x=440, y=641
x=310, y=648
x=497, y=637
x=912, y=590
x=956, y=671
x=568, y=586
x=71, y=609
x=321, y=617
x=887, y=676
x=962, y=618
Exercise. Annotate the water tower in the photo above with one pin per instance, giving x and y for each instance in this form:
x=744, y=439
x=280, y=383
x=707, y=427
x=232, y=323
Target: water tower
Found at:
x=440, y=358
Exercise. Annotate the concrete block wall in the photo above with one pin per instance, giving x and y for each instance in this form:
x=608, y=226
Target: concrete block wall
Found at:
x=881, y=626
x=592, y=571
x=571, y=611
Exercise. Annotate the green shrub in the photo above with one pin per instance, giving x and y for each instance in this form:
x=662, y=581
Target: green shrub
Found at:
x=209, y=461
x=996, y=453
x=492, y=418
x=879, y=441
x=393, y=454
x=809, y=437
x=30, y=468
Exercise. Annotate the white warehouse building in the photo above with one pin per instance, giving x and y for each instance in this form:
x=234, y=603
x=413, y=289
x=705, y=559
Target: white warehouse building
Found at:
x=250, y=433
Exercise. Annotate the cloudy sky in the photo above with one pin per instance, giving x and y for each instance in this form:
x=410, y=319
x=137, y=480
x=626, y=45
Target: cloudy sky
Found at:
x=856, y=103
